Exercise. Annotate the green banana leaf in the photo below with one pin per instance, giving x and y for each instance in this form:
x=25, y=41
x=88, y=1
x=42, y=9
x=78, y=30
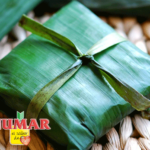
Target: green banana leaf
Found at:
x=11, y=11
x=86, y=106
x=111, y=7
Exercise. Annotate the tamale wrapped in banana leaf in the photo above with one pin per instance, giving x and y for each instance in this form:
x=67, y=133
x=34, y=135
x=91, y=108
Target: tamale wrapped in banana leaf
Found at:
x=8, y=14
x=86, y=106
x=111, y=7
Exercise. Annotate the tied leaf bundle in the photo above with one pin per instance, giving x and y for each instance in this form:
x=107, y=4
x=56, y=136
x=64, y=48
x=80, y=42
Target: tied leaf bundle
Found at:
x=84, y=105
x=11, y=12
x=115, y=7
x=137, y=100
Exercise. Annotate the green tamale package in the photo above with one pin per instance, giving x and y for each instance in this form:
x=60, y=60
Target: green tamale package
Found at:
x=111, y=7
x=86, y=106
x=8, y=14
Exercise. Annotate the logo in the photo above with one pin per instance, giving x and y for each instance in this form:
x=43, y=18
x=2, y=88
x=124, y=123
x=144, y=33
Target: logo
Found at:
x=20, y=131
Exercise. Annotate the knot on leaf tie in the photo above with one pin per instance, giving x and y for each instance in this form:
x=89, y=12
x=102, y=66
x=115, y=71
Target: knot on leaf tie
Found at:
x=86, y=59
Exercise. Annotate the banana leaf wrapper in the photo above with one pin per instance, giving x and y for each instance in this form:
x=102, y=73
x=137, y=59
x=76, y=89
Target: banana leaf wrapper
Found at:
x=111, y=7
x=86, y=106
x=11, y=11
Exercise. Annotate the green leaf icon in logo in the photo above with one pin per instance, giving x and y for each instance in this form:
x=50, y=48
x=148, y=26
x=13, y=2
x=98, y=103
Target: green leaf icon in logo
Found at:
x=20, y=116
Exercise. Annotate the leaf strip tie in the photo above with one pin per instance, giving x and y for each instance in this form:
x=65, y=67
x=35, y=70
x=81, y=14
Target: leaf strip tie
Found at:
x=113, y=38
x=40, y=30
x=137, y=100
x=41, y=98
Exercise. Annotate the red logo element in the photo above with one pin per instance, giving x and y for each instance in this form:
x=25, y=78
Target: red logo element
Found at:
x=25, y=140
